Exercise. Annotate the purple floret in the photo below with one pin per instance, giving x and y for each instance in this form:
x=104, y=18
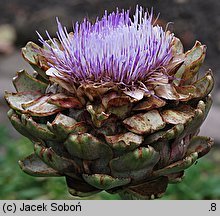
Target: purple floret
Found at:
x=115, y=49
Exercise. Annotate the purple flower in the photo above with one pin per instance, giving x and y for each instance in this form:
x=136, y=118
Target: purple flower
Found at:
x=114, y=49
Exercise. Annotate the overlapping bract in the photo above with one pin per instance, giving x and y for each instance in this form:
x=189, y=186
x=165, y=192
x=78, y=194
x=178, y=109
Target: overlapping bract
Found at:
x=104, y=137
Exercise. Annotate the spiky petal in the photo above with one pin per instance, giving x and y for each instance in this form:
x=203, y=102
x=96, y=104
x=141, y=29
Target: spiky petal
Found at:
x=113, y=49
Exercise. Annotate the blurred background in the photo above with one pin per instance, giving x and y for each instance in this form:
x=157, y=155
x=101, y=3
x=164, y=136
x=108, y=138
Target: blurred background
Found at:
x=191, y=20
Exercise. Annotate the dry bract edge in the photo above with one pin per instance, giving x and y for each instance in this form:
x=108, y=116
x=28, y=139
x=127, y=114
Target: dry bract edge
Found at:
x=115, y=105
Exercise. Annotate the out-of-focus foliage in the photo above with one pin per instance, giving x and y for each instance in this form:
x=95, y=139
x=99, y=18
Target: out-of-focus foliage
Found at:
x=202, y=180
x=14, y=184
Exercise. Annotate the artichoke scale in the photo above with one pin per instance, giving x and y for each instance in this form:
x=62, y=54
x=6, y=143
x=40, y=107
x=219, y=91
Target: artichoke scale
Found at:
x=37, y=130
x=25, y=82
x=64, y=125
x=177, y=166
x=87, y=147
x=17, y=100
x=33, y=166
x=105, y=182
x=61, y=164
x=124, y=142
x=31, y=54
x=145, y=123
x=137, y=164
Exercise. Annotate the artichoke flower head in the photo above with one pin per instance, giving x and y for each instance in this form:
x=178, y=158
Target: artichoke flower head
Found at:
x=114, y=49
x=115, y=105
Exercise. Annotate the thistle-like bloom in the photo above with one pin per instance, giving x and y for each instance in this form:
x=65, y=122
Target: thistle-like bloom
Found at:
x=114, y=49
x=115, y=105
